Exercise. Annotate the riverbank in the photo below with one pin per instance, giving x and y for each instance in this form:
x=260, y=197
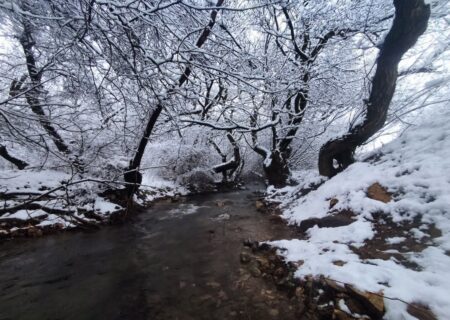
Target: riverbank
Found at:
x=37, y=203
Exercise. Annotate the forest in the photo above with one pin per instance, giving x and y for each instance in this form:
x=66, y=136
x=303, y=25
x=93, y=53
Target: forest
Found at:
x=224, y=159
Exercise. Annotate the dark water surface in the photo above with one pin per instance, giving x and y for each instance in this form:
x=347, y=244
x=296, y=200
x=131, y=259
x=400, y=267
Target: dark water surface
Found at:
x=173, y=261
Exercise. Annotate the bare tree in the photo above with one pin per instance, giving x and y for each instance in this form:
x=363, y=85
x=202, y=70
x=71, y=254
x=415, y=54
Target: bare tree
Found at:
x=410, y=22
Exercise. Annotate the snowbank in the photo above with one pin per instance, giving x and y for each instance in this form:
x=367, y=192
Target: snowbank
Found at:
x=415, y=170
x=34, y=202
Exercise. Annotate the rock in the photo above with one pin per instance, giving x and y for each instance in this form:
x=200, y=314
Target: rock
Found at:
x=334, y=285
x=245, y=257
x=220, y=203
x=333, y=202
x=213, y=284
x=254, y=270
x=300, y=292
x=373, y=302
x=34, y=232
x=259, y=205
x=337, y=220
x=355, y=306
x=174, y=199
x=420, y=311
x=339, y=263
x=276, y=218
x=223, y=217
x=279, y=272
x=263, y=263
x=341, y=315
x=377, y=192
x=274, y=312
x=3, y=234
x=297, y=264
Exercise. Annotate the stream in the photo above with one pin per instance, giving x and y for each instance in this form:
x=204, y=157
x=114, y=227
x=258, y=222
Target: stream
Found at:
x=175, y=260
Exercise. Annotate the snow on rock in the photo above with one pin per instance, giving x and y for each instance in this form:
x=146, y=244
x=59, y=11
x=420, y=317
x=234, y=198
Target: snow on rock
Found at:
x=414, y=170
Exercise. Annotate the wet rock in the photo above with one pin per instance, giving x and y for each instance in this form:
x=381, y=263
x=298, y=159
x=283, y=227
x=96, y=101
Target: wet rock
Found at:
x=276, y=218
x=254, y=270
x=299, y=292
x=274, y=312
x=355, y=306
x=220, y=203
x=420, y=311
x=223, y=217
x=377, y=192
x=373, y=302
x=245, y=257
x=341, y=315
x=223, y=203
x=259, y=205
x=337, y=220
x=34, y=232
x=213, y=284
x=3, y=234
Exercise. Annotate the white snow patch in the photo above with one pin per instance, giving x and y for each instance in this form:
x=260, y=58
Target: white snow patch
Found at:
x=415, y=168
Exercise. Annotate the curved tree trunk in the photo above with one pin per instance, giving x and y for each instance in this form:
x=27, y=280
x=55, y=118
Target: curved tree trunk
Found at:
x=20, y=164
x=410, y=22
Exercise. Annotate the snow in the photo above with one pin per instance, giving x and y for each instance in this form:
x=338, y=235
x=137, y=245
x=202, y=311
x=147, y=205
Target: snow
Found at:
x=103, y=206
x=25, y=214
x=84, y=196
x=395, y=240
x=415, y=169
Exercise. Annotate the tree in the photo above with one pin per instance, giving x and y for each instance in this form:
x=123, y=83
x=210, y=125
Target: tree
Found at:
x=410, y=22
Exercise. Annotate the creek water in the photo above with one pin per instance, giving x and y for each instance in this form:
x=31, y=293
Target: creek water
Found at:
x=173, y=261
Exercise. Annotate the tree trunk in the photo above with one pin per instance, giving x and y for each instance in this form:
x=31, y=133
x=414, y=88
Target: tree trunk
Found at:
x=228, y=168
x=33, y=96
x=20, y=164
x=132, y=176
x=410, y=22
x=276, y=169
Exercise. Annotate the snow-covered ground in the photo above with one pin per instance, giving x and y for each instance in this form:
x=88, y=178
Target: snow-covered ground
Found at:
x=415, y=170
x=58, y=200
